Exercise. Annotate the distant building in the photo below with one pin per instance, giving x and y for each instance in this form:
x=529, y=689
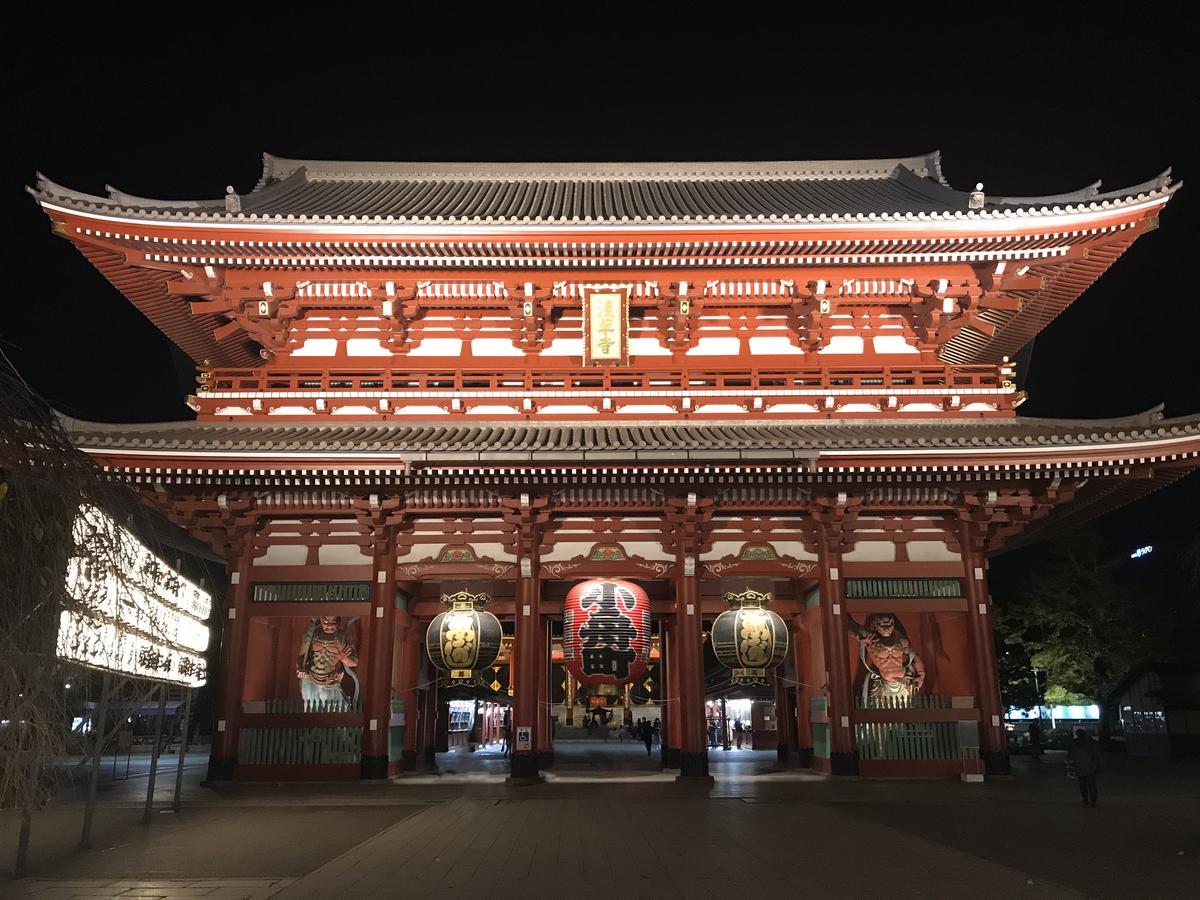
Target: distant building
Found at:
x=1156, y=707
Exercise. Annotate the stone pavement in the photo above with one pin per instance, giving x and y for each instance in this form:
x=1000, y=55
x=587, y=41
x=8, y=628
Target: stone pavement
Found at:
x=150, y=889
x=625, y=829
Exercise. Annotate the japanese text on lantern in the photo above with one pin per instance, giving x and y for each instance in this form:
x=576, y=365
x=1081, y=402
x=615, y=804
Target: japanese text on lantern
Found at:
x=459, y=634
x=607, y=638
x=605, y=320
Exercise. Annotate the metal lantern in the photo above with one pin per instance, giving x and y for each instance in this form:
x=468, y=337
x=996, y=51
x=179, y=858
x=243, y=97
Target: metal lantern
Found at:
x=748, y=638
x=465, y=639
x=606, y=632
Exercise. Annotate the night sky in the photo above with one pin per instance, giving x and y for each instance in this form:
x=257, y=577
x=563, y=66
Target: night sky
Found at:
x=1028, y=102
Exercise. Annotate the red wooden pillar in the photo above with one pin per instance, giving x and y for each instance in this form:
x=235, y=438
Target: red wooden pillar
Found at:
x=804, y=692
x=410, y=671
x=843, y=755
x=429, y=717
x=545, y=736
x=441, y=728
x=693, y=750
x=670, y=692
x=993, y=743
x=784, y=744
x=377, y=691
x=528, y=637
x=222, y=761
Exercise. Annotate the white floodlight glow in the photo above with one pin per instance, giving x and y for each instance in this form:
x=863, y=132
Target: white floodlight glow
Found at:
x=139, y=616
x=1141, y=551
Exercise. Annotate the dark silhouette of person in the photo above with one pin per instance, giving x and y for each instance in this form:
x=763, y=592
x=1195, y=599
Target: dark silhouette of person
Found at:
x=1035, y=741
x=1084, y=755
x=712, y=734
x=738, y=730
x=647, y=733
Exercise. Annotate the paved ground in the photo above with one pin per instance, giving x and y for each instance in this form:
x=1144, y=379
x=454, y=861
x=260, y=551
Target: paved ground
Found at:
x=606, y=822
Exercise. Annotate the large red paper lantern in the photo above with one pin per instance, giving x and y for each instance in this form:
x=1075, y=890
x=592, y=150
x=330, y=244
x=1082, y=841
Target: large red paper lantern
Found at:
x=606, y=632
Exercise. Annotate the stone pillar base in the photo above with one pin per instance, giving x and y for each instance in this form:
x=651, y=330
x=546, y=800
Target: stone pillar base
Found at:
x=524, y=769
x=693, y=765
x=843, y=763
x=221, y=768
x=996, y=763
x=374, y=767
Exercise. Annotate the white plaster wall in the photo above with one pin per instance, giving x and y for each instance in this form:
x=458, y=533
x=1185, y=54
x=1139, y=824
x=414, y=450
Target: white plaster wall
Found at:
x=341, y=555
x=365, y=347
x=283, y=556
x=871, y=551
x=931, y=551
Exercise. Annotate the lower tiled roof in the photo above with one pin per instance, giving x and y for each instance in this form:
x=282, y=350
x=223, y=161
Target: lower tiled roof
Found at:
x=633, y=441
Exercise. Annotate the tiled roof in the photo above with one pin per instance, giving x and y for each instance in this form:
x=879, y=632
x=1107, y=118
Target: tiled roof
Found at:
x=593, y=193
x=632, y=441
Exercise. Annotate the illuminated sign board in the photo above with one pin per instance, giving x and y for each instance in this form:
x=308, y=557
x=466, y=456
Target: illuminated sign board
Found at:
x=137, y=615
x=606, y=327
x=1141, y=551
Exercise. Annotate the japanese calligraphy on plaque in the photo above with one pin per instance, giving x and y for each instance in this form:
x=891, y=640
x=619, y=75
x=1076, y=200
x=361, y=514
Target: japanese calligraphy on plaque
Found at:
x=606, y=326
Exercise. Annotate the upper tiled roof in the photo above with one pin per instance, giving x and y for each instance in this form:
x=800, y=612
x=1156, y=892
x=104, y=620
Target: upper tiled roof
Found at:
x=593, y=193
x=633, y=441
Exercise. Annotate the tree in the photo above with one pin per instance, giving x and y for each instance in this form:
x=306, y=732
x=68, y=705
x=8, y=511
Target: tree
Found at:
x=44, y=481
x=1070, y=616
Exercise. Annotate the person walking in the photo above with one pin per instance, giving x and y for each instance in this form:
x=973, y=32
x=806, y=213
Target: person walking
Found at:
x=1084, y=756
x=1035, y=742
x=738, y=728
x=712, y=735
x=647, y=734
x=657, y=729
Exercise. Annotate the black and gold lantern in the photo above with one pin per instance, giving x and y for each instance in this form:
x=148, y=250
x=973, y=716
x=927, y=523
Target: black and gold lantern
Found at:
x=465, y=639
x=748, y=638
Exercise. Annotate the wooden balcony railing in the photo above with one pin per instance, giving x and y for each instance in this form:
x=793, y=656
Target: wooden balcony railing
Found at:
x=526, y=393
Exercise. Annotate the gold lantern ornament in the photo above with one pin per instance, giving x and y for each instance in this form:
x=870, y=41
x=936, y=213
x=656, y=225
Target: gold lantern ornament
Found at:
x=465, y=639
x=748, y=638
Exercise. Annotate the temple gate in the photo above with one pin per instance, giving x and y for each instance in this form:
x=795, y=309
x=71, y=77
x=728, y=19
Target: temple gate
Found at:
x=801, y=373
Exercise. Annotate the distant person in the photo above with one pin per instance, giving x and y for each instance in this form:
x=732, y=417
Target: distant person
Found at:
x=1035, y=742
x=1084, y=757
x=657, y=729
x=647, y=734
x=712, y=735
x=738, y=730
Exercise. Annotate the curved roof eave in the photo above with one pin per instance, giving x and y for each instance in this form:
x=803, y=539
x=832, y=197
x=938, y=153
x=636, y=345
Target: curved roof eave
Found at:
x=944, y=203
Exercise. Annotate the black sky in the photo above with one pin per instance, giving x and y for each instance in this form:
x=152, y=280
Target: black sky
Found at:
x=1031, y=100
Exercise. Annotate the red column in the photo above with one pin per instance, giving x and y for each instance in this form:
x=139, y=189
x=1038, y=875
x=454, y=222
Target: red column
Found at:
x=843, y=755
x=783, y=719
x=377, y=689
x=528, y=638
x=993, y=744
x=429, y=717
x=228, y=696
x=545, y=737
x=804, y=739
x=410, y=671
x=670, y=692
x=693, y=751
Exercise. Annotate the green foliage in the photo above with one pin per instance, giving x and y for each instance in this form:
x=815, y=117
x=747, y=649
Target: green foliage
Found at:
x=1070, y=617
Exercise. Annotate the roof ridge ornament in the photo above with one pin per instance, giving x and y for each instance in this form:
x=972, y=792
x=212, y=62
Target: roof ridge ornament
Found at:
x=233, y=203
x=978, y=198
